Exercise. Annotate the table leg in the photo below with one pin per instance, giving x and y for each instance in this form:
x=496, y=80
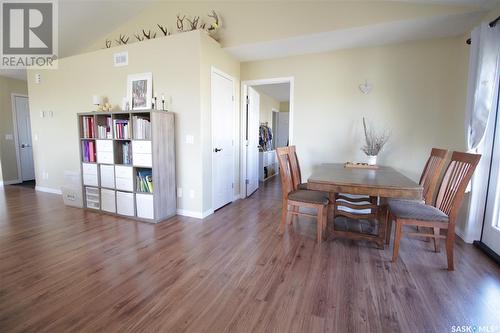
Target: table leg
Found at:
x=331, y=210
x=382, y=227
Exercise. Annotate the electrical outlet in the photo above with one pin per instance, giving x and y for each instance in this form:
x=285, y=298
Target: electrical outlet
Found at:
x=191, y=194
x=45, y=175
x=38, y=78
x=9, y=137
x=190, y=139
x=179, y=192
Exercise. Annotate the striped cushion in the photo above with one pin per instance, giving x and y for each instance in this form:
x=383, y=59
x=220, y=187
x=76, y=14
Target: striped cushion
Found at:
x=415, y=210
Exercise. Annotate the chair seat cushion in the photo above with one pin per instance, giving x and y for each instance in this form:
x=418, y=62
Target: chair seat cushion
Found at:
x=314, y=197
x=415, y=210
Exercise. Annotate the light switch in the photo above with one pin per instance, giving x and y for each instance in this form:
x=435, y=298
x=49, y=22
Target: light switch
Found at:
x=190, y=139
x=9, y=137
x=179, y=192
x=42, y=114
x=191, y=194
x=38, y=78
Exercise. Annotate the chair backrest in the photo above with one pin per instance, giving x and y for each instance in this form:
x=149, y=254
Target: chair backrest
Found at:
x=431, y=173
x=294, y=163
x=284, y=158
x=455, y=180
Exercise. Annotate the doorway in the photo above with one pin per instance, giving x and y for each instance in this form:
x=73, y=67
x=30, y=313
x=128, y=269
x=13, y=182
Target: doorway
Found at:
x=267, y=117
x=22, y=138
x=223, y=109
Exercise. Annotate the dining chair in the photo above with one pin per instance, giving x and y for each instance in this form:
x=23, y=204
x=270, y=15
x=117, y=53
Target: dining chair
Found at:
x=428, y=180
x=443, y=214
x=295, y=198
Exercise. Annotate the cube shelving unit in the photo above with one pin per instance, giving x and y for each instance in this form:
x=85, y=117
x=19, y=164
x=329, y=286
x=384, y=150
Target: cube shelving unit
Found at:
x=120, y=154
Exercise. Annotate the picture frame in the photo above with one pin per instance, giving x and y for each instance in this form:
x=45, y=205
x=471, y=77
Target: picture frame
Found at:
x=140, y=91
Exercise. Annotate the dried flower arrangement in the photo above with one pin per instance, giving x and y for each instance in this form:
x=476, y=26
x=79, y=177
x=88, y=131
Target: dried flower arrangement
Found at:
x=374, y=141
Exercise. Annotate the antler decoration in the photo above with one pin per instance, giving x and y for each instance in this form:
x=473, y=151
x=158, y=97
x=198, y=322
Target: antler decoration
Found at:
x=148, y=35
x=214, y=26
x=193, y=23
x=122, y=40
x=164, y=30
x=108, y=43
x=139, y=37
x=180, y=22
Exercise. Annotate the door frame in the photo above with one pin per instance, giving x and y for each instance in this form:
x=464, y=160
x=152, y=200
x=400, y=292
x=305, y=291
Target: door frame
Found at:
x=215, y=70
x=16, y=135
x=243, y=148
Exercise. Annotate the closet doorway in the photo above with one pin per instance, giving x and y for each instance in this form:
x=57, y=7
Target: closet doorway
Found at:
x=267, y=115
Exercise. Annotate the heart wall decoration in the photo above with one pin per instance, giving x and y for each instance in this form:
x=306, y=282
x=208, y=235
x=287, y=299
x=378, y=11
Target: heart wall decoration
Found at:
x=365, y=88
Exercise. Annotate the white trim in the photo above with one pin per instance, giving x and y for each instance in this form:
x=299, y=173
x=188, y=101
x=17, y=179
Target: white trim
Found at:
x=10, y=182
x=237, y=197
x=244, y=93
x=48, y=190
x=217, y=71
x=16, y=133
x=194, y=214
x=460, y=233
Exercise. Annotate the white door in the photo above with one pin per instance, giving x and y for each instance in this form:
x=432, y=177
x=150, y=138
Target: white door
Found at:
x=253, y=111
x=283, y=129
x=24, y=138
x=222, y=139
x=491, y=224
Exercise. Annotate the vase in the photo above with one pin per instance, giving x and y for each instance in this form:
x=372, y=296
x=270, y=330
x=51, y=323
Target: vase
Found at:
x=372, y=160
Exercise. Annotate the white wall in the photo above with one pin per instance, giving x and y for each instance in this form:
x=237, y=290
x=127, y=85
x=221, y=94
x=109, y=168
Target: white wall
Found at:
x=419, y=94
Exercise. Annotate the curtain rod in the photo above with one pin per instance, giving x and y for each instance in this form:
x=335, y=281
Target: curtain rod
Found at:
x=491, y=24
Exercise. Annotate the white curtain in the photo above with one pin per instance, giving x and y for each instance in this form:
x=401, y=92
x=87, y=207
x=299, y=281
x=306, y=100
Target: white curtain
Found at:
x=482, y=96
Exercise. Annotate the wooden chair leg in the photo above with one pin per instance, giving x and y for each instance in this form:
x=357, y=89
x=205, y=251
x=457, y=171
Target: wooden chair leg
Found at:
x=436, y=240
x=295, y=209
x=450, y=243
x=319, y=223
x=325, y=222
x=397, y=238
x=284, y=214
x=388, y=224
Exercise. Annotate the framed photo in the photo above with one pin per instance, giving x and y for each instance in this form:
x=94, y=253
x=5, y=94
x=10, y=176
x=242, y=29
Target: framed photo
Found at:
x=140, y=91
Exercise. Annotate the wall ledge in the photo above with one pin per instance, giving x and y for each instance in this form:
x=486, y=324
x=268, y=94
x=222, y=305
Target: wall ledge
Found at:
x=48, y=190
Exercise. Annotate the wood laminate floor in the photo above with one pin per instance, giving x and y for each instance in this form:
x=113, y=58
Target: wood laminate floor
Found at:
x=67, y=270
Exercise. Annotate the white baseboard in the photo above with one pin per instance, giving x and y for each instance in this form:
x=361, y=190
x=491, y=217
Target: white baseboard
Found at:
x=197, y=215
x=9, y=182
x=460, y=233
x=237, y=197
x=48, y=190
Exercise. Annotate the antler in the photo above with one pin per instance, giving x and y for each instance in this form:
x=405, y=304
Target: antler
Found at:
x=180, y=22
x=108, y=43
x=193, y=23
x=215, y=25
x=122, y=40
x=164, y=30
x=139, y=37
x=148, y=35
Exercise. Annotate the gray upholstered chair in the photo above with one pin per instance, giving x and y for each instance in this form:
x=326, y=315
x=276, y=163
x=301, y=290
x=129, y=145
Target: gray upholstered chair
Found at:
x=441, y=216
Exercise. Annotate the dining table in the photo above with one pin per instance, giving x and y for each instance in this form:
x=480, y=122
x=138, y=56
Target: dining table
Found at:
x=379, y=182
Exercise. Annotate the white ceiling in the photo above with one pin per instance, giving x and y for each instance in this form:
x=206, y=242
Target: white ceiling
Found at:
x=278, y=91
x=486, y=4
x=373, y=35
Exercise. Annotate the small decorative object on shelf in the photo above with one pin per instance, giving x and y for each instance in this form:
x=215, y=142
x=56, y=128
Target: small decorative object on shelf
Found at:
x=374, y=142
x=96, y=100
x=140, y=90
x=163, y=102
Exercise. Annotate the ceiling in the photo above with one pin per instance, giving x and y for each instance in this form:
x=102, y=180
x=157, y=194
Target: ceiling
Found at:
x=82, y=23
x=278, y=91
x=372, y=35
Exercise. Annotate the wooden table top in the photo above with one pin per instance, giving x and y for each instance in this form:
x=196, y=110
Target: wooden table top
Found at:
x=383, y=182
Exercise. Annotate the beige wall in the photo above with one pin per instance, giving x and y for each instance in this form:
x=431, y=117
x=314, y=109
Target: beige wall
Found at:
x=8, y=159
x=267, y=105
x=256, y=21
x=178, y=72
x=419, y=94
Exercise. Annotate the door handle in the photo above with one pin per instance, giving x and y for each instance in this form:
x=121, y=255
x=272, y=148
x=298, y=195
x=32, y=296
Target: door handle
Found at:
x=217, y=150
x=24, y=145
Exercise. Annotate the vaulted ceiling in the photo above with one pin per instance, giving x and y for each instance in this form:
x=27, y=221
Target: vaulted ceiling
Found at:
x=259, y=30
